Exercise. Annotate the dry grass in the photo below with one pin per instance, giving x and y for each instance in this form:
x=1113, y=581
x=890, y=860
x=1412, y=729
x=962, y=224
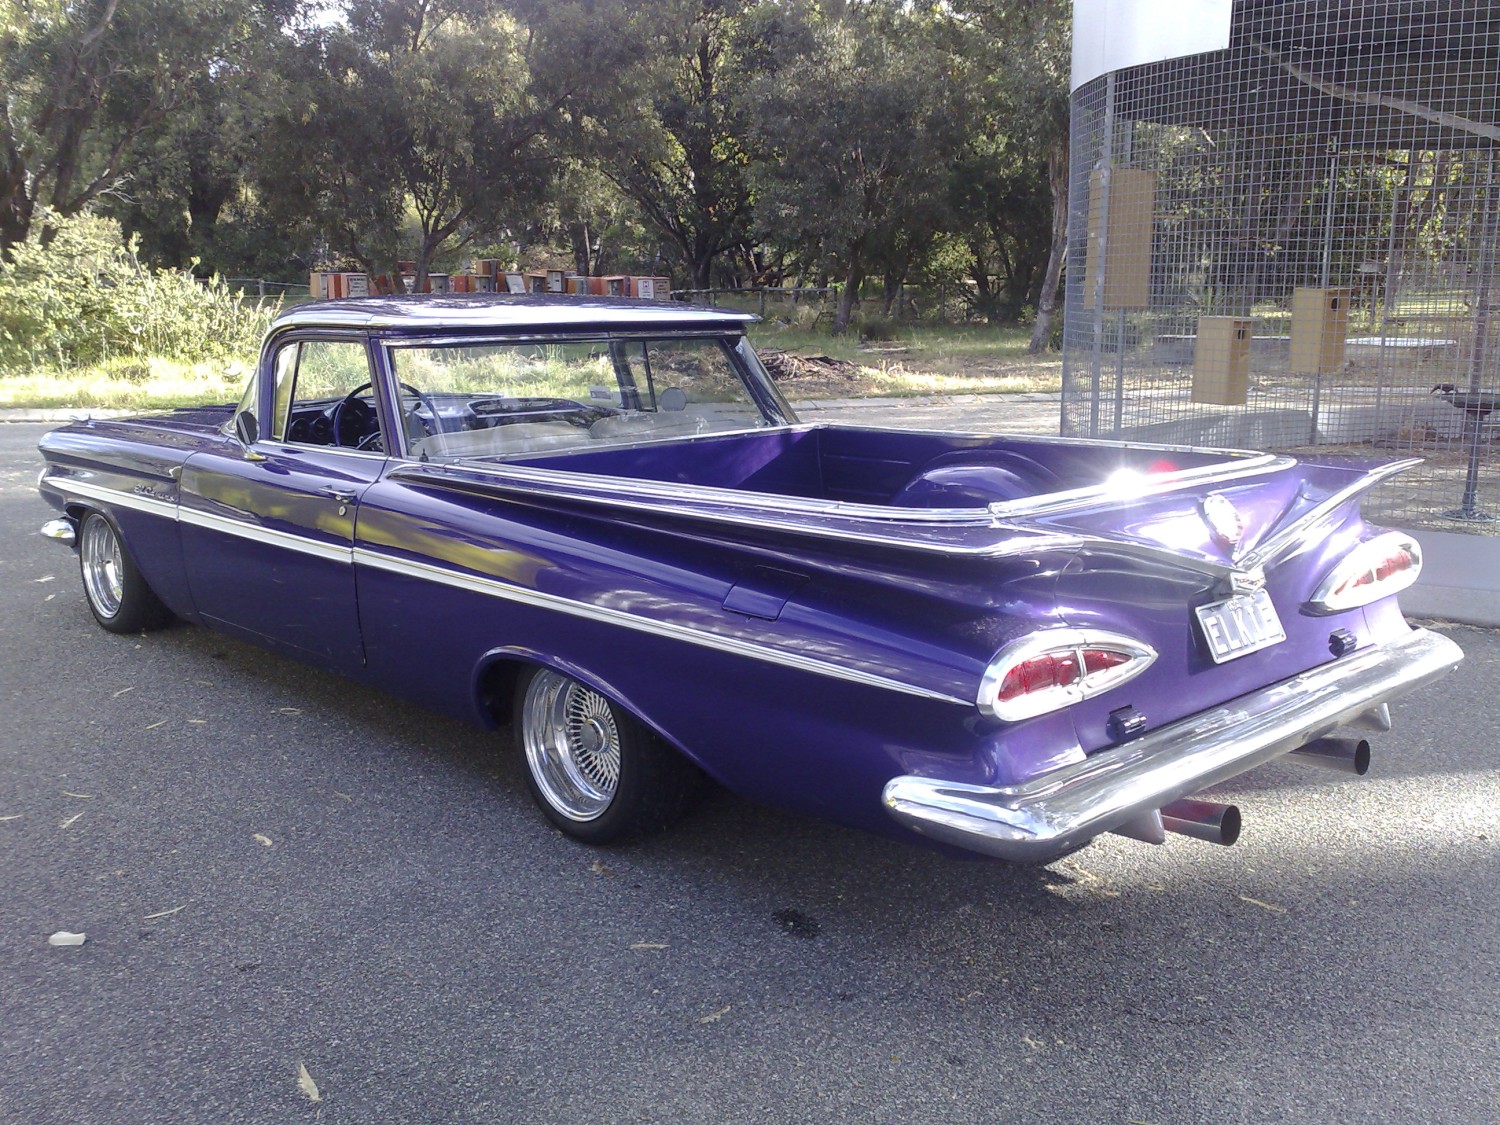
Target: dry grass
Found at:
x=960, y=359
x=922, y=361
x=125, y=385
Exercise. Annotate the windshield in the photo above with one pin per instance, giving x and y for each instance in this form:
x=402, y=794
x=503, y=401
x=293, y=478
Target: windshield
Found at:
x=500, y=399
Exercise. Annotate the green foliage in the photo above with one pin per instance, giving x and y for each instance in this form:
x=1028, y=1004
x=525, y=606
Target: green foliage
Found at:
x=413, y=131
x=85, y=297
x=83, y=83
x=673, y=140
x=726, y=142
x=835, y=172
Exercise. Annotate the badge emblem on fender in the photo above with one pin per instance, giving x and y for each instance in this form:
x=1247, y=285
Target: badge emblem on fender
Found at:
x=1223, y=520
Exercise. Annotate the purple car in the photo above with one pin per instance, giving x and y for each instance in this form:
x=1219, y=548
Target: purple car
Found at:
x=600, y=522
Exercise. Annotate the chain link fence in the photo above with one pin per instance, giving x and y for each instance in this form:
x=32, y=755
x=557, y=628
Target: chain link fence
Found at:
x=1294, y=243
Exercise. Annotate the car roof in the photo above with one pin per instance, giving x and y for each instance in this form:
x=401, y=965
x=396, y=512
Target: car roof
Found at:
x=468, y=312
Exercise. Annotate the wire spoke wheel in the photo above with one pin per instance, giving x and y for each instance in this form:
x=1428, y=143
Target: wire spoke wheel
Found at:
x=572, y=743
x=596, y=772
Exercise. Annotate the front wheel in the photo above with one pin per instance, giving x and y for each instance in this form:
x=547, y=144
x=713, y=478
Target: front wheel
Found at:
x=117, y=595
x=596, y=773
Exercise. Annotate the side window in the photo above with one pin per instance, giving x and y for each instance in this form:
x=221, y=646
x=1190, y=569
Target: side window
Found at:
x=315, y=401
x=506, y=399
x=286, y=374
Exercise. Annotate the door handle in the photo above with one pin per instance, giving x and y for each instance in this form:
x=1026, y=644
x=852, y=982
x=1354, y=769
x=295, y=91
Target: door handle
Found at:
x=339, y=493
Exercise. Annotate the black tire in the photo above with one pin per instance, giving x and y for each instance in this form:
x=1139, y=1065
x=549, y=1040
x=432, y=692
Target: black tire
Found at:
x=595, y=772
x=118, y=596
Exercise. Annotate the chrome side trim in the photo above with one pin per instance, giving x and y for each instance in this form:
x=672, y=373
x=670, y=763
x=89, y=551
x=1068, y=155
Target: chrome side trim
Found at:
x=62, y=530
x=1052, y=815
x=286, y=540
x=75, y=487
x=169, y=510
x=494, y=588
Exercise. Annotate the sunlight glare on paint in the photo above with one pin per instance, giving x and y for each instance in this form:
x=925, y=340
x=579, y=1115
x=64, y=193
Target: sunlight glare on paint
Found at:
x=1123, y=484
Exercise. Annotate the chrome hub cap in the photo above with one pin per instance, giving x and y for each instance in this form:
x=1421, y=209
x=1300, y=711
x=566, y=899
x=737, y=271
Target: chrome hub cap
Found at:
x=102, y=566
x=572, y=745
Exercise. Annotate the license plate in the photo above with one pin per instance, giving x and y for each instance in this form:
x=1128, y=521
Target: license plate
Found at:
x=1243, y=624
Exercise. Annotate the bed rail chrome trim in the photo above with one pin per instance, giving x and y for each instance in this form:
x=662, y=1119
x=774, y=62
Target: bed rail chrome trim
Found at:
x=1142, y=486
x=735, y=645
x=1043, y=819
x=597, y=488
x=1017, y=541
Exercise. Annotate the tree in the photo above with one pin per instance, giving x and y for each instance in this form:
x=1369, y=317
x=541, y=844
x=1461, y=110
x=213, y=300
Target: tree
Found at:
x=671, y=139
x=426, y=126
x=412, y=131
x=1024, y=46
x=1002, y=210
x=186, y=171
x=854, y=131
x=85, y=80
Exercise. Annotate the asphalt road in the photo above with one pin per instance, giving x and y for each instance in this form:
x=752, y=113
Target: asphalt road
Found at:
x=278, y=870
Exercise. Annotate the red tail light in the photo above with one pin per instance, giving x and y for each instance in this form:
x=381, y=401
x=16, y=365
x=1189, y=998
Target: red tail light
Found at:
x=1050, y=670
x=1377, y=568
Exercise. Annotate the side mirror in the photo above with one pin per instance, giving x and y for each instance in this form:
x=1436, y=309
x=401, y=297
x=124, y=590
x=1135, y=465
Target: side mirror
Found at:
x=247, y=430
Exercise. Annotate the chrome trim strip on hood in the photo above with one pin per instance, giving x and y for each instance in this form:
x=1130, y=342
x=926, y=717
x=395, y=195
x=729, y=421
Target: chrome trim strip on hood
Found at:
x=1044, y=819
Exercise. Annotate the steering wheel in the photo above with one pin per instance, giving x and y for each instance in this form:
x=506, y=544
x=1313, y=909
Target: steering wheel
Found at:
x=357, y=417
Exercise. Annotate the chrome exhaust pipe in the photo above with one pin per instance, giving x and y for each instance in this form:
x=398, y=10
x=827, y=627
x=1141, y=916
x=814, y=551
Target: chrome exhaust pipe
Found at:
x=1347, y=755
x=1202, y=820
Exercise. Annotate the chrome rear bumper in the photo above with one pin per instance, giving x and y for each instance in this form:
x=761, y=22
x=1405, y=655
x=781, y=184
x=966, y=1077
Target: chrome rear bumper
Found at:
x=1052, y=815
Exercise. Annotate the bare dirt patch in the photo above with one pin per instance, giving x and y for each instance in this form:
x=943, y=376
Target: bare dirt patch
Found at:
x=813, y=376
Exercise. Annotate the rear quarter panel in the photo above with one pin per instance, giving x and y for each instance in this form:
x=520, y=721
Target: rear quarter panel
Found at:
x=868, y=668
